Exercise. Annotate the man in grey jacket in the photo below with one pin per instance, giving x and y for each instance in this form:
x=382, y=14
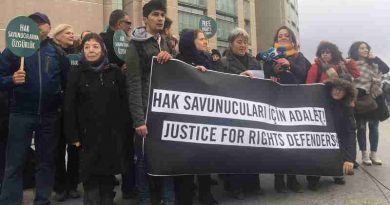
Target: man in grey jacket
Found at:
x=146, y=42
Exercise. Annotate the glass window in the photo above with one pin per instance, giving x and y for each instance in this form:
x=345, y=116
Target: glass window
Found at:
x=198, y=3
x=248, y=29
x=224, y=26
x=227, y=6
x=117, y=4
x=222, y=46
x=189, y=18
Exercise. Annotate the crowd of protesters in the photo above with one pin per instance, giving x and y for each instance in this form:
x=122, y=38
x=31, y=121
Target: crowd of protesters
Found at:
x=95, y=111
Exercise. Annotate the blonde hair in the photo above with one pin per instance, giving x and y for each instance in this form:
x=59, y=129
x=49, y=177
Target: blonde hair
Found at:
x=59, y=29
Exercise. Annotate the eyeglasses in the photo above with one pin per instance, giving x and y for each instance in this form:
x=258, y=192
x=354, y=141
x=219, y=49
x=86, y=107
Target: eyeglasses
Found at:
x=127, y=22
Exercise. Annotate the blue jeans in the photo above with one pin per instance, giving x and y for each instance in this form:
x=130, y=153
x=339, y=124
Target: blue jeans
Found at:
x=373, y=134
x=142, y=182
x=21, y=128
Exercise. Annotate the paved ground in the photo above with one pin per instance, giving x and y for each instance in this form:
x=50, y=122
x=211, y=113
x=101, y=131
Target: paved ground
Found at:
x=359, y=190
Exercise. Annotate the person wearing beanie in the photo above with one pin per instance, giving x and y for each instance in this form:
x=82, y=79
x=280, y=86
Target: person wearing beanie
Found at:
x=95, y=96
x=43, y=23
x=34, y=107
x=145, y=43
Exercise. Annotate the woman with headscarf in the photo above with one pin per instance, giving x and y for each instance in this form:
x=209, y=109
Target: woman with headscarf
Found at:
x=193, y=48
x=95, y=96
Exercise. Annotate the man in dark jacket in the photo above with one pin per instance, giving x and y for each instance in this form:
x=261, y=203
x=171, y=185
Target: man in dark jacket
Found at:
x=146, y=42
x=3, y=132
x=34, y=102
x=119, y=20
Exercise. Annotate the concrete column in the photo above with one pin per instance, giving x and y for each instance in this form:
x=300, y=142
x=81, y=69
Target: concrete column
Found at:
x=212, y=12
x=172, y=13
x=134, y=9
x=107, y=9
x=240, y=13
x=253, y=34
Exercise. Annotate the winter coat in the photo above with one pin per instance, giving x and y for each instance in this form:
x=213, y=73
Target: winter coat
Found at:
x=343, y=118
x=4, y=116
x=45, y=78
x=143, y=46
x=299, y=66
x=230, y=64
x=312, y=75
x=383, y=67
x=108, y=41
x=96, y=116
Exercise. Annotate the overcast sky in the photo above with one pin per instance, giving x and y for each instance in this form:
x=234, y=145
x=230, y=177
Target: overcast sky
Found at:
x=343, y=22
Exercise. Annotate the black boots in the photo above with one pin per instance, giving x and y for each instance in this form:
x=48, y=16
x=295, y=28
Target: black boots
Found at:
x=292, y=184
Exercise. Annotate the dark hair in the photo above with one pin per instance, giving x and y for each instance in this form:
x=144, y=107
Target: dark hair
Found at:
x=152, y=6
x=291, y=34
x=116, y=16
x=332, y=48
x=215, y=52
x=167, y=23
x=95, y=37
x=354, y=50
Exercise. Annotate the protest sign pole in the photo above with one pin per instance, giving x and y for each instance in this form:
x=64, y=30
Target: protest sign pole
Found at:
x=21, y=64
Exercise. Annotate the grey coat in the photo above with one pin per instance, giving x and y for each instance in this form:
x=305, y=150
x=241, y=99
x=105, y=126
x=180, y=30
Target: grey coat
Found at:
x=143, y=47
x=230, y=64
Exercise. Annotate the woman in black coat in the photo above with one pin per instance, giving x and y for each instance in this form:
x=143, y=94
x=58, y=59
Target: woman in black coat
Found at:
x=341, y=94
x=193, y=48
x=292, y=68
x=95, y=120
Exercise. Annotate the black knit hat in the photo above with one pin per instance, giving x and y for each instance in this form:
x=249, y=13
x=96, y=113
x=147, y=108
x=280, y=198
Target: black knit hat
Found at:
x=39, y=18
x=152, y=6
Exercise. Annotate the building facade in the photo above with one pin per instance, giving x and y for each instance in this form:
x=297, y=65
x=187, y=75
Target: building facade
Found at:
x=93, y=15
x=270, y=15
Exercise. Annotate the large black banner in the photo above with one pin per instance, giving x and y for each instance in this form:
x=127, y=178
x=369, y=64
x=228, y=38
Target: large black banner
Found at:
x=213, y=122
